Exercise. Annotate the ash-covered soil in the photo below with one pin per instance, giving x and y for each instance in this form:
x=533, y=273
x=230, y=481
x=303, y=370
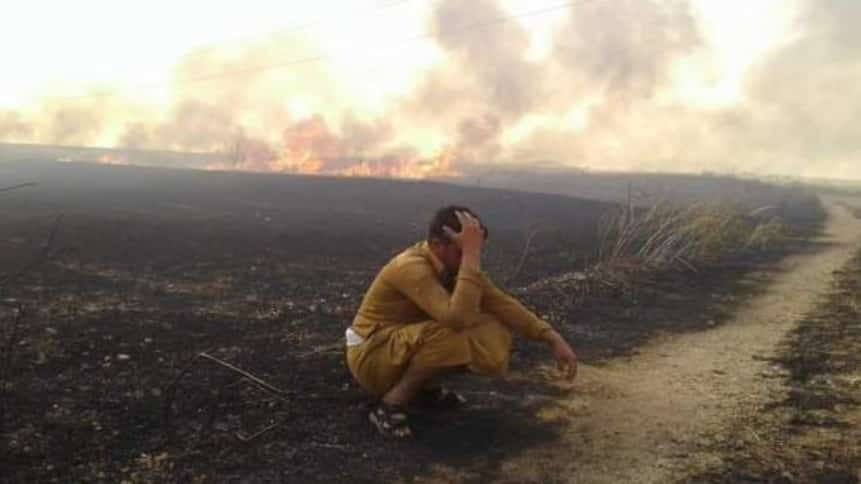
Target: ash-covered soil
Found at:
x=151, y=267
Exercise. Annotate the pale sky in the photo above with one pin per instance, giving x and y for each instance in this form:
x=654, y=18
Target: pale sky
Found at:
x=103, y=42
x=62, y=48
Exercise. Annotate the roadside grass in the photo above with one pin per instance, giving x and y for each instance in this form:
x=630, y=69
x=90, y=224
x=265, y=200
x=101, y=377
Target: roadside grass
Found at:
x=636, y=242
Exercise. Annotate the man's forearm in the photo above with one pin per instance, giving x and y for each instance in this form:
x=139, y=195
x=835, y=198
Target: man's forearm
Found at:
x=471, y=259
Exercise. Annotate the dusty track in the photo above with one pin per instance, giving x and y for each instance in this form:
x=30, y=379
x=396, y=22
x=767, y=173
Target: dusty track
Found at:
x=654, y=417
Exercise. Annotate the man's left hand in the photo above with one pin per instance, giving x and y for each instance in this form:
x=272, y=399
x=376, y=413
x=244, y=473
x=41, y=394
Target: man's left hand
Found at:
x=564, y=354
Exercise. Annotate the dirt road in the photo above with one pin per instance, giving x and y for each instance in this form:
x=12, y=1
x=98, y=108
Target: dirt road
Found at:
x=654, y=417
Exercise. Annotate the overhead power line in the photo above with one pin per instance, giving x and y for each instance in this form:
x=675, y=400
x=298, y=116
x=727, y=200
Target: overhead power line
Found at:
x=298, y=28
x=469, y=28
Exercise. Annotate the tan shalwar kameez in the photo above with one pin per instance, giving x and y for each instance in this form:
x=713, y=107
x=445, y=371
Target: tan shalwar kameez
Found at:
x=408, y=317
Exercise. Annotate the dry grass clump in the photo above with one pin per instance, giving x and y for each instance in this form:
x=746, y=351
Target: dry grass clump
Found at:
x=636, y=243
x=768, y=235
x=672, y=237
x=666, y=236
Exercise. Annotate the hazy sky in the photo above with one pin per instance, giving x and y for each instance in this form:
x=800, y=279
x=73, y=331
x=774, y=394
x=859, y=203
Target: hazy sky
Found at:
x=95, y=42
x=684, y=85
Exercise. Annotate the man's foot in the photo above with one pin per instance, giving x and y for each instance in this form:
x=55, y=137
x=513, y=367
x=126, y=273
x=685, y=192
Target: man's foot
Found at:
x=391, y=420
x=439, y=399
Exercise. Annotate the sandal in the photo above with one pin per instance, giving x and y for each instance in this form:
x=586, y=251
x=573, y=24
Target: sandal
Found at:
x=440, y=399
x=390, y=420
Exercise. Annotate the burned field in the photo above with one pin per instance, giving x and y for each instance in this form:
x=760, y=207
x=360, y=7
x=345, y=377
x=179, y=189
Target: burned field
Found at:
x=148, y=268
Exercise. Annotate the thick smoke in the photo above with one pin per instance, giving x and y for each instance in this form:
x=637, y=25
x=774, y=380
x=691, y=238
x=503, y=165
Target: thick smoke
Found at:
x=477, y=137
x=193, y=126
x=804, y=96
x=625, y=46
x=73, y=125
x=621, y=52
x=229, y=102
x=487, y=83
x=493, y=57
x=13, y=126
x=605, y=97
x=214, y=93
x=798, y=114
x=613, y=62
x=81, y=120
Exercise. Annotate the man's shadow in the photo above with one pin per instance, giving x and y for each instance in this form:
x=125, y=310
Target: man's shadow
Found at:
x=499, y=421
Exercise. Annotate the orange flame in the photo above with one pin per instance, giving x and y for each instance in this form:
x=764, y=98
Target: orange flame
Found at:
x=300, y=161
x=112, y=159
x=309, y=147
x=410, y=168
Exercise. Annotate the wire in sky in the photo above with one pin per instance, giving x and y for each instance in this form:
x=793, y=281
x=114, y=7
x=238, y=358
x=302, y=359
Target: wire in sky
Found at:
x=298, y=28
x=468, y=28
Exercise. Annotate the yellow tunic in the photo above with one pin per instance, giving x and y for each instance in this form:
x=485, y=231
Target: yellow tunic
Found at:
x=408, y=316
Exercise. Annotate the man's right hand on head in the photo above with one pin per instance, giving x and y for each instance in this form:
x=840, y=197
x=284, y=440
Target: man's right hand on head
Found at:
x=470, y=239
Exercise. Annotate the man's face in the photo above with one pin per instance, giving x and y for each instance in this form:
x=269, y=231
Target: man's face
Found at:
x=448, y=253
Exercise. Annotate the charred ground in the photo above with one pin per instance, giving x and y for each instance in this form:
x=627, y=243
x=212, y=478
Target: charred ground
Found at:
x=151, y=266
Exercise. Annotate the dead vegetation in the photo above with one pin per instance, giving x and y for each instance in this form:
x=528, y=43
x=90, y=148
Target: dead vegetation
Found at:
x=668, y=236
x=636, y=243
x=169, y=412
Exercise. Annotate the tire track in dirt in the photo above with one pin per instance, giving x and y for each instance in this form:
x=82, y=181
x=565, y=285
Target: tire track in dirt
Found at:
x=653, y=417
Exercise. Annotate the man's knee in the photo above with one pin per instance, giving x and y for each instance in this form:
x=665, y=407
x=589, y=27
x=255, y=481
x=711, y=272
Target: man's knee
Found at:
x=484, y=347
x=489, y=330
x=490, y=346
x=441, y=347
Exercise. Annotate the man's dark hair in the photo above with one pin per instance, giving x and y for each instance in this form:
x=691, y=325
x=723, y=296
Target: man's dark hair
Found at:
x=445, y=217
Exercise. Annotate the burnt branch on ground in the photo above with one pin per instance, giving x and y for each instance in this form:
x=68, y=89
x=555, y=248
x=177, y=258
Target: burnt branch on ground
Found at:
x=16, y=187
x=171, y=391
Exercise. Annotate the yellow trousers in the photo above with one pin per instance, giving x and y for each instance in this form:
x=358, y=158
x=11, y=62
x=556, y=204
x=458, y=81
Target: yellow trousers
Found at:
x=380, y=361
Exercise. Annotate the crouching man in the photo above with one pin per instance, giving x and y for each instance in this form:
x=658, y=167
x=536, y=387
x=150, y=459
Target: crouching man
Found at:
x=431, y=311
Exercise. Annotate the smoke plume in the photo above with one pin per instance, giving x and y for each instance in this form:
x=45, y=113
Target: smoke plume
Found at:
x=13, y=125
x=605, y=96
